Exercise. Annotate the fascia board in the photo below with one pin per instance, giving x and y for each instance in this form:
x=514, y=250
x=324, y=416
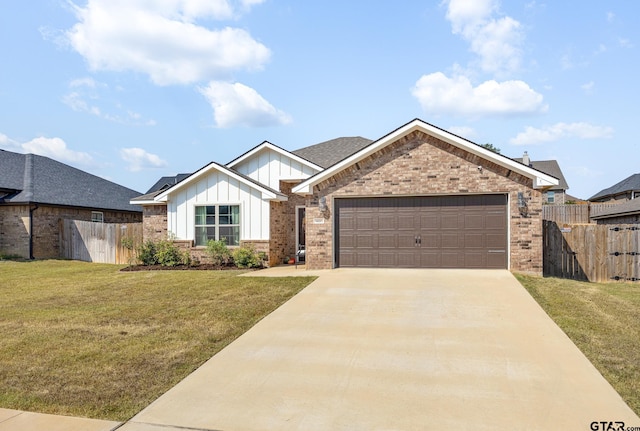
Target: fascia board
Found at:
x=277, y=149
x=266, y=194
x=541, y=180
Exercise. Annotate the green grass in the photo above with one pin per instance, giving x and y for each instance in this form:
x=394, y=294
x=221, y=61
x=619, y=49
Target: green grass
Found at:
x=603, y=320
x=87, y=340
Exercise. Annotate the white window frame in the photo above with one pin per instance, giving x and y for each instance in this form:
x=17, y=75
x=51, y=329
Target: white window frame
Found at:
x=97, y=216
x=217, y=224
x=551, y=197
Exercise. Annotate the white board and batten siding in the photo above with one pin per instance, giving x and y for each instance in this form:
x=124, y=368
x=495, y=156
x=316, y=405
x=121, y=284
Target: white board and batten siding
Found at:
x=269, y=167
x=218, y=188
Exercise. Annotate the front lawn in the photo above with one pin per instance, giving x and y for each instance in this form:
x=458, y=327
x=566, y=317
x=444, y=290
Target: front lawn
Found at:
x=84, y=339
x=603, y=320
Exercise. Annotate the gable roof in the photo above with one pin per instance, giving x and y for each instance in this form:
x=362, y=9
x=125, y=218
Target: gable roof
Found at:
x=627, y=208
x=166, y=182
x=550, y=167
x=628, y=184
x=29, y=178
x=269, y=145
x=540, y=179
x=267, y=192
x=330, y=152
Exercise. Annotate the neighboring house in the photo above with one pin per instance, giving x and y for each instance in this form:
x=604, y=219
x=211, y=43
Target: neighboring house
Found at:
x=626, y=212
x=418, y=197
x=37, y=192
x=556, y=195
x=625, y=190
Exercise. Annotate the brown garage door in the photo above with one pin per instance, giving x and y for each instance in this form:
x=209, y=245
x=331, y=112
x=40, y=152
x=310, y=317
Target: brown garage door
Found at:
x=422, y=232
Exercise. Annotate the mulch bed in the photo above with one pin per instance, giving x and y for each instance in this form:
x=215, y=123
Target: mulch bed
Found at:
x=200, y=267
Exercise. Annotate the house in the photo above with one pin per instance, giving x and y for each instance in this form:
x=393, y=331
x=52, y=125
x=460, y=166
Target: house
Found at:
x=556, y=195
x=627, y=212
x=37, y=192
x=625, y=190
x=418, y=197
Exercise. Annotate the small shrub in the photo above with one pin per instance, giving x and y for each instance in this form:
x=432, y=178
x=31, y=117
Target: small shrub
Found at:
x=218, y=252
x=168, y=254
x=246, y=257
x=147, y=253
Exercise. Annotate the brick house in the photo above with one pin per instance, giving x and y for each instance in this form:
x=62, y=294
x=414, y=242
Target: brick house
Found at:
x=556, y=195
x=417, y=197
x=36, y=193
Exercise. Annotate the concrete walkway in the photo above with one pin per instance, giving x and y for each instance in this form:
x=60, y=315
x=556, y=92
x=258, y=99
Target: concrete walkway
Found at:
x=15, y=420
x=395, y=350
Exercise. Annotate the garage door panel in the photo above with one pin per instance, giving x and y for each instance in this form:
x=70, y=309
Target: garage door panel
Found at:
x=387, y=222
x=474, y=240
x=496, y=259
x=451, y=240
x=496, y=241
x=430, y=240
x=453, y=231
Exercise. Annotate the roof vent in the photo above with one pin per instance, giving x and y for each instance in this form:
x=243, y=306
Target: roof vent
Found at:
x=525, y=159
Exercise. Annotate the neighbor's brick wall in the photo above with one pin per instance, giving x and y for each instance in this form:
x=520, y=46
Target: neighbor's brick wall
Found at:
x=421, y=164
x=154, y=222
x=14, y=227
x=14, y=230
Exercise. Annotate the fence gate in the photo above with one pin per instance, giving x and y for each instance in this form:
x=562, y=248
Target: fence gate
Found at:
x=98, y=242
x=592, y=252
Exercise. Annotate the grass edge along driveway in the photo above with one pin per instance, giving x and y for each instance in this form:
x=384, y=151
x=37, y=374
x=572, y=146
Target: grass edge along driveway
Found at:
x=84, y=339
x=602, y=320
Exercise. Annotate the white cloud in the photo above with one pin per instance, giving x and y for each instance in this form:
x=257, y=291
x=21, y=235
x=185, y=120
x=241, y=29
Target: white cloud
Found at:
x=625, y=43
x=239, y=105
x=138, y=159
x=496, y=40
x=87, y=93
x=588, y=87
x=439, y=94
x=54, y=148
x=556, y=132
x=611, y=16
x=163, y=40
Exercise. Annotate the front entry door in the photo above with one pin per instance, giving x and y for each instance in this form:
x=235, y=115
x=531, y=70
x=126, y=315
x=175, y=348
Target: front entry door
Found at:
x=300, y=233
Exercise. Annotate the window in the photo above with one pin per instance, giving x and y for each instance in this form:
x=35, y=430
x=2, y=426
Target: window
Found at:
x=551, y=197
x=97, y=217
x=219, y=222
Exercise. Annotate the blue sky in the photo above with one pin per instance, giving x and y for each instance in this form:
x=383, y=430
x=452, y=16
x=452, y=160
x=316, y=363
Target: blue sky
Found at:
x=132, y=90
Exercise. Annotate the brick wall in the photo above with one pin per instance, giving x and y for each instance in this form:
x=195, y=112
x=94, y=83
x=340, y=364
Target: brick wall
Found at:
x=14, y=228
x=154, y=222
x=421, y=164
x=282, y=226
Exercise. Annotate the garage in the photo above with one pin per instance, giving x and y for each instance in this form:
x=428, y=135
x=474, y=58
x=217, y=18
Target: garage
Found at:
x=457, y=231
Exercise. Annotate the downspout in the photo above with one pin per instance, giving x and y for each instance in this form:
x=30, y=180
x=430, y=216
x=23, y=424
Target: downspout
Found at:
x=32, y=208
x=28, y=190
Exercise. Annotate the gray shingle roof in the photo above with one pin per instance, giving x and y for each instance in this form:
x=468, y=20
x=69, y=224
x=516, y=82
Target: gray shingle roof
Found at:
x=166, y=182
x=38, y=179
x=626, y=208
x=628, y=184
x=549, y=167
x=329, y=153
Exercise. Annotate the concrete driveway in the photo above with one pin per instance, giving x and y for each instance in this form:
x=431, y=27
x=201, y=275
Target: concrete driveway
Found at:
x=396, y=350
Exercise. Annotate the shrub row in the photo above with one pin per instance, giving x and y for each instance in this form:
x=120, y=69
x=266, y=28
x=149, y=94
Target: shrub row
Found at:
x=166, y=253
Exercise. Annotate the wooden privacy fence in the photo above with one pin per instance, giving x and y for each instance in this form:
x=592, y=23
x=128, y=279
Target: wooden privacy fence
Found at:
x=576, y=213
x=99, y=242
x=591, y=252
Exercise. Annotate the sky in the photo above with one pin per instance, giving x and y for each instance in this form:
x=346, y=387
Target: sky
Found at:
x=132, y=90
